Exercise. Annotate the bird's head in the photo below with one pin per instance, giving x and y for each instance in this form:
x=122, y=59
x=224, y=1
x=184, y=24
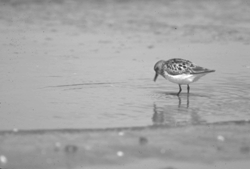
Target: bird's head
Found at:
x=158, y=68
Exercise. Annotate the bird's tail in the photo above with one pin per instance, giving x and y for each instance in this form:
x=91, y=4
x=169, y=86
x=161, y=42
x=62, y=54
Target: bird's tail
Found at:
x=201, y=70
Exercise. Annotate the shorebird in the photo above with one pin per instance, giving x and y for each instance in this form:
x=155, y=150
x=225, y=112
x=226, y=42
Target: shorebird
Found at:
x=180, y=71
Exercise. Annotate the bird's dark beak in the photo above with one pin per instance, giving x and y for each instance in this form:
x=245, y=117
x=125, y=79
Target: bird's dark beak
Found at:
x=156, y=75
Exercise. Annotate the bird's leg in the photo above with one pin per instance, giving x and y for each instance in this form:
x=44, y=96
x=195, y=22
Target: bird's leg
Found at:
x=188, y=88
x=179, y=90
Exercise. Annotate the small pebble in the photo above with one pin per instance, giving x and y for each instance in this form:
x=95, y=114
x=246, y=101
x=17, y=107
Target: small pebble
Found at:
x=58, y=145
x=143, y=140
x=70, y=148
x=87, y=147
x=220, y=148
x=120, y=153
x=245, y=150
x=3, y=159
x=121, y=133
x=220, y=138
x=151, y=46
x=15, y=130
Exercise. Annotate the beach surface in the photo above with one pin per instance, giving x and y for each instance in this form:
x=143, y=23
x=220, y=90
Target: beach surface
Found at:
x=77, y=90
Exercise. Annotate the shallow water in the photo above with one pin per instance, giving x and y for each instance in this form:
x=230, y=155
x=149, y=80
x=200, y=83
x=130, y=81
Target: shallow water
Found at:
x=56, y=73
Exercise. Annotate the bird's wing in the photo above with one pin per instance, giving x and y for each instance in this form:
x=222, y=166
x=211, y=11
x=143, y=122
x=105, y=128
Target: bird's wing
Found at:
x=179, y=66
x=200, y=70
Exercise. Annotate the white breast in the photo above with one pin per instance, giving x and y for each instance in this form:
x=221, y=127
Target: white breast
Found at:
x=183, y=78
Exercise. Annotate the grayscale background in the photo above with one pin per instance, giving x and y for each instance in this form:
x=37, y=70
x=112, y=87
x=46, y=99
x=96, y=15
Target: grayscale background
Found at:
x=88, y=64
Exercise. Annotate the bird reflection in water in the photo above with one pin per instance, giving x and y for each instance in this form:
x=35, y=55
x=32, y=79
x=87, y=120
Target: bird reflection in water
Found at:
x=180, y=101
x=176, y=115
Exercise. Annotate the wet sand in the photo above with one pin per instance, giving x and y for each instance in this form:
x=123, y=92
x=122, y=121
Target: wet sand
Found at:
x=88, y=65
x=223, y=145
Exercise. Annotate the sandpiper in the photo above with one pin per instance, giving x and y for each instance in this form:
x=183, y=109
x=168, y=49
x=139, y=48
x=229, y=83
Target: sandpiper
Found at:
x=180, y=71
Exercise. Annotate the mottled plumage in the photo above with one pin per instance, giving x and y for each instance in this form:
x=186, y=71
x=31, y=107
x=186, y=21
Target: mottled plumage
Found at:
x=180, y=71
